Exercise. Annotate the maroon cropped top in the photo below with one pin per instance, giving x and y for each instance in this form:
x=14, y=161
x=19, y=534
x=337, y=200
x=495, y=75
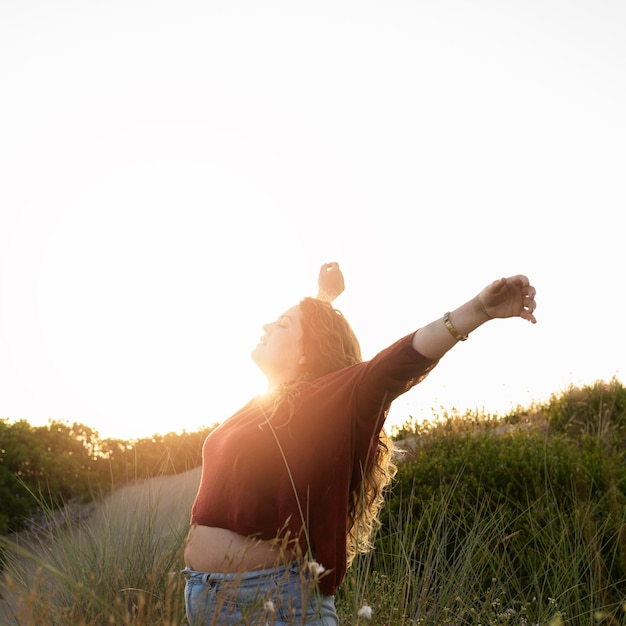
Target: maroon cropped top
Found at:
x=294, y=473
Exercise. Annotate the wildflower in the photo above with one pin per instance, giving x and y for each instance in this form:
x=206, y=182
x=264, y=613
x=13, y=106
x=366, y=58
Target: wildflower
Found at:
x=269, y=607
x=316, y=569
x=365, y=611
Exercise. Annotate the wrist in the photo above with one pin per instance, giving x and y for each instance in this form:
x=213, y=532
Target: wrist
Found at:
x=482, y=310
x=467, y=318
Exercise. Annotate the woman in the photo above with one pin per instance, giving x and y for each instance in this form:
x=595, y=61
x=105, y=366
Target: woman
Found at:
x=292, y=483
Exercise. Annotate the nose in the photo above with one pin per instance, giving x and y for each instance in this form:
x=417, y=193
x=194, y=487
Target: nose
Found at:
x=267, y=328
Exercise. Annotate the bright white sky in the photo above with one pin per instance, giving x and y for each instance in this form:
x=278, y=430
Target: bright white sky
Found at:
x=173, y=174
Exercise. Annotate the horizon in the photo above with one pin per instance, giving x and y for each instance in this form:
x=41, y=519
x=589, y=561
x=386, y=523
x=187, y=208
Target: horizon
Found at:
x=392, y=425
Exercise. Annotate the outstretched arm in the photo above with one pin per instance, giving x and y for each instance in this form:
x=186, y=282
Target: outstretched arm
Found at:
x=506, y=297
x=330, y=282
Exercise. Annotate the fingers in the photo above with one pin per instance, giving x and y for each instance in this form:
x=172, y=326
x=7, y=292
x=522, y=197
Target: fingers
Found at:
x=520, y=280
x=326, y=267
x=529, y=305
x=524, y=284
x=528, y=292
x=330, y=281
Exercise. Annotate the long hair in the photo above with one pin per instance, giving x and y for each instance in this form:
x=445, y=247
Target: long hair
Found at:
x=329, y=344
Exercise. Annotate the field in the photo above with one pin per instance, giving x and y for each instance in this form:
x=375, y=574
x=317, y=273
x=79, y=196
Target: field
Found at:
x=518, y=521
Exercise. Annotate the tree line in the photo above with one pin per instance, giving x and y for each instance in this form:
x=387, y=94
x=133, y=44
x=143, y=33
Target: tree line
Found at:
x=49, y=466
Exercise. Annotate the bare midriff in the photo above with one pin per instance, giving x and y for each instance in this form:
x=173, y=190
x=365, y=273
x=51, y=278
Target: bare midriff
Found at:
x=210, y=549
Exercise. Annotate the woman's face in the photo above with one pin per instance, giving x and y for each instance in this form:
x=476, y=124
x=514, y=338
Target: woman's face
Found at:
x=279, y=352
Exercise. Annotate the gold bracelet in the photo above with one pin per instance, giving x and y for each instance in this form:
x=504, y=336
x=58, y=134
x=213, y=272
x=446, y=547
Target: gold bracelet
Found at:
x=453, y=331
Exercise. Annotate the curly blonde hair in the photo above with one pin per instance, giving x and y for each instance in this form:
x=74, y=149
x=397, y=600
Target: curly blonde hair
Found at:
x=329, y=344
x=367, y=500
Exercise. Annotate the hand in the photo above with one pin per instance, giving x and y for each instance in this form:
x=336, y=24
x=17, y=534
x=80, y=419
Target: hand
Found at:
x=330, y=282
x=509, y=297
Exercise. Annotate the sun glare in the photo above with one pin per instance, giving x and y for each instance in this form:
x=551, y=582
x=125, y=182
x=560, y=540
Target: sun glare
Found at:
x=156, y=212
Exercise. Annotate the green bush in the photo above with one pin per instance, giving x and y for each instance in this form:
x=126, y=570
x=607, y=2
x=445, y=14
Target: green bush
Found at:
x=60, y=463
x=528, y=505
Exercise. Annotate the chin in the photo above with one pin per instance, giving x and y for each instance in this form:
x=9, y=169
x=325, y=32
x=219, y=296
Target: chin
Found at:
x=256, y=357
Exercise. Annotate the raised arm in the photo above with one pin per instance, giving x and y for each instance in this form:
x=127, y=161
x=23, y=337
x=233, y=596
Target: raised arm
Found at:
x=330, y=282
x=506, y=297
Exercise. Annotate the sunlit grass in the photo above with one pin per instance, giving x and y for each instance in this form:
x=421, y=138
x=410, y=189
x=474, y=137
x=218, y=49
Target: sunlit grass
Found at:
x=555, y=557
x=122, y=566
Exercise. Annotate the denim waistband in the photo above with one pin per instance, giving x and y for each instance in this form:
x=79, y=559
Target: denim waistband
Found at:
x=191, y=574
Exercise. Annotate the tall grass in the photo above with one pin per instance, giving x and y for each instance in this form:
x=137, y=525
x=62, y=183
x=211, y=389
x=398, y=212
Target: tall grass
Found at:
x=488, y=527
x=446, y=568
x=461, y=566
x=120, y=566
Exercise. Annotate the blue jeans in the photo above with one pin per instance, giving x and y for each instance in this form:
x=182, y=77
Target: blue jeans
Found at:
x=281, y=596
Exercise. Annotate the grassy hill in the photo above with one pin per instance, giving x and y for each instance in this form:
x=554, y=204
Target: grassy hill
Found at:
x=491, y=520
